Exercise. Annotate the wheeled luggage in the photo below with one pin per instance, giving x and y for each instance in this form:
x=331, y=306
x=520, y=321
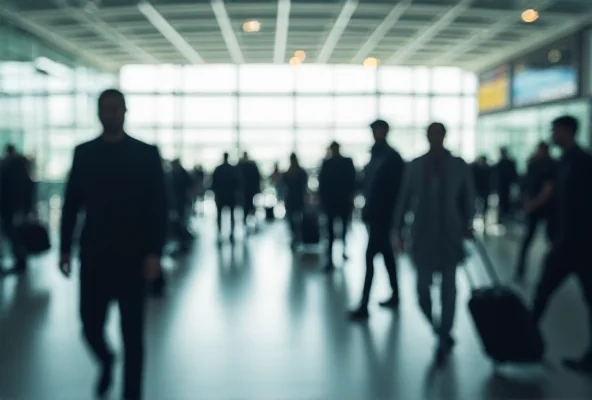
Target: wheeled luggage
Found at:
x=505, y=325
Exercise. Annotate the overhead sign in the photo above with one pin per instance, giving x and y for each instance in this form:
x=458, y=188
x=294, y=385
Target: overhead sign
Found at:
x=548, y=75
x=494, y=90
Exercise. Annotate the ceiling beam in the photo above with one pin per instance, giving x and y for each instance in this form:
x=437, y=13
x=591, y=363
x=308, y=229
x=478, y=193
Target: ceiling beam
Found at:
x=169, y=33
x=487, y=33
x=281, y=31
x=59, y=41
x=532, y=43
x=105, y=30
x=227, y=32
x=338, y=28
x=381, y=30
x=429, y=33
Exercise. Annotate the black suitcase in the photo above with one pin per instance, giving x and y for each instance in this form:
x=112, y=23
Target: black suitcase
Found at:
x=310, y=228
x=507, y=330
x=34, y=237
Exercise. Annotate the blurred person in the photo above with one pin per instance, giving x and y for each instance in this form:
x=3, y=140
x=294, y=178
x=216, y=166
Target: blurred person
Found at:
x=226, y=185
x=482, y=177
x=438, y=190
x=506, y=177
x=571, y=196
x=119, y=183
x=16, y=202
x=539, y=177
x=337, y=185
x=382, y=178
x=251, y=186
x=295, y=183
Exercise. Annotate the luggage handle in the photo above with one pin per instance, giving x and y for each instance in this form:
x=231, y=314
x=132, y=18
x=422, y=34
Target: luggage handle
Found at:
x=488, y=264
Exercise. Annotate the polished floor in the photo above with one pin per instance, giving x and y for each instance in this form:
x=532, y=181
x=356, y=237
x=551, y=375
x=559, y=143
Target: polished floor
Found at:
x=254, y=321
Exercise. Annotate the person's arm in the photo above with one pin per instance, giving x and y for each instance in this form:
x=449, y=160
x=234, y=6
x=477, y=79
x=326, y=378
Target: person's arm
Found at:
x=158, y=207
x=72, y=204
x=540, y=199
x=468, y=197
x=404, y=199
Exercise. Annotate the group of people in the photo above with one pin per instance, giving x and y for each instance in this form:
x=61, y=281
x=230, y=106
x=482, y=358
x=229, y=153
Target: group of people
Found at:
x=121, y=185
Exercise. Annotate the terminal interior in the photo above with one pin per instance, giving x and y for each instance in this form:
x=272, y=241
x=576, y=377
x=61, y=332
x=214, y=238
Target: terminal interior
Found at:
x=254, y=319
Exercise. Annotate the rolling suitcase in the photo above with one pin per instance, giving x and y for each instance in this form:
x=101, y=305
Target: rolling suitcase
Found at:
x=311, y=230
x=507, y=330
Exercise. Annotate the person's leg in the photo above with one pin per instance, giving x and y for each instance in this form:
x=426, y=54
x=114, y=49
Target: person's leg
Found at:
x=388, y=253
x=556, y=268
x=18, y=251
x=95, y=296
x=362, y=311
x=131, y=309
x=448, y=304
x=531, y=226
x=231, y=210
x=424, y=295
x=331, y=234
x=584, y=363
x=219, y=210
x=345, y=222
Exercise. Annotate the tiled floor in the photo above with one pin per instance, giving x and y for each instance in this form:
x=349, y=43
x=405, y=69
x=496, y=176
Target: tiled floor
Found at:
x=256, y=322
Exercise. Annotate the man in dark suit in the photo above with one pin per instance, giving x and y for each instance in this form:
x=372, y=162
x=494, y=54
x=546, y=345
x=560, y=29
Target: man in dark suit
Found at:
x=383, y=176
x=119, y=183
x=337, y=185
x=226, y=185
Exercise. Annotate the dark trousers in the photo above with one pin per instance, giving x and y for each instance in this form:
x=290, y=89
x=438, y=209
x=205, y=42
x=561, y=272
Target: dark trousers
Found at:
x=294, y=217
x=98, y=288
x=248, y=208
x=483, y=204
x=425, y=279
x=220, y=210
x=332, y=217
x=533, y=220
x=9, y=230
x=379, y=242
x=560, y=263
x=504, y=205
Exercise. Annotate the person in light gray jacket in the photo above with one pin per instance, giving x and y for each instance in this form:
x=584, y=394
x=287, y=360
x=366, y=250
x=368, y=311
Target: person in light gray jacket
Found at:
x=438, y=190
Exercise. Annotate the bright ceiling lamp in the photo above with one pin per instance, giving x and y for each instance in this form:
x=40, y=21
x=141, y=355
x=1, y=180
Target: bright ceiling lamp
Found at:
x=530, y=15
x=371, y=62
x=251, y=26
x=300, y=54
x=295, y=61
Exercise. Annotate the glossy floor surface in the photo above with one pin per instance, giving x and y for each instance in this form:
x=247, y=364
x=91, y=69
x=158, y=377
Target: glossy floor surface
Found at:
x=255, y=321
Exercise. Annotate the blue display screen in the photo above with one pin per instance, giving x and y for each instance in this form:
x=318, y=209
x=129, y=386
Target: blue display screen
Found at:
x=532, y=86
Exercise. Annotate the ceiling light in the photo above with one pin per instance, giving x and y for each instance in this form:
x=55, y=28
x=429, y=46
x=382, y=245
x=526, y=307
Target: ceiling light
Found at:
x=252, y=25
x=371, y=62
x=295, y=61
x=300, y=54
x=530, y=15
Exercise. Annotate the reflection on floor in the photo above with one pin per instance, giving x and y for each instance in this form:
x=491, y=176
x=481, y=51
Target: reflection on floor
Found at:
x=255, y=322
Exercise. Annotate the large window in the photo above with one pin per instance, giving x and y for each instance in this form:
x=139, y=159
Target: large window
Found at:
x=198, y=112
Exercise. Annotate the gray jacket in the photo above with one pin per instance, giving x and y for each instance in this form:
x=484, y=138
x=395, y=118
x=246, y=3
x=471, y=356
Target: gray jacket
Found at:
x=442, y=202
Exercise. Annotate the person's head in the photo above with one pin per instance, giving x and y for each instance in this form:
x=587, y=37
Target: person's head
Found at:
x=504, y=153
x=565, y=129
x=482, y=160
x=334, y=148
x=293, y=160
x=112, y=110
x=380, y=130
x=245, y=156
x=10, y=150
x=542, y=149
x=436, y=135
x=226, y=157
